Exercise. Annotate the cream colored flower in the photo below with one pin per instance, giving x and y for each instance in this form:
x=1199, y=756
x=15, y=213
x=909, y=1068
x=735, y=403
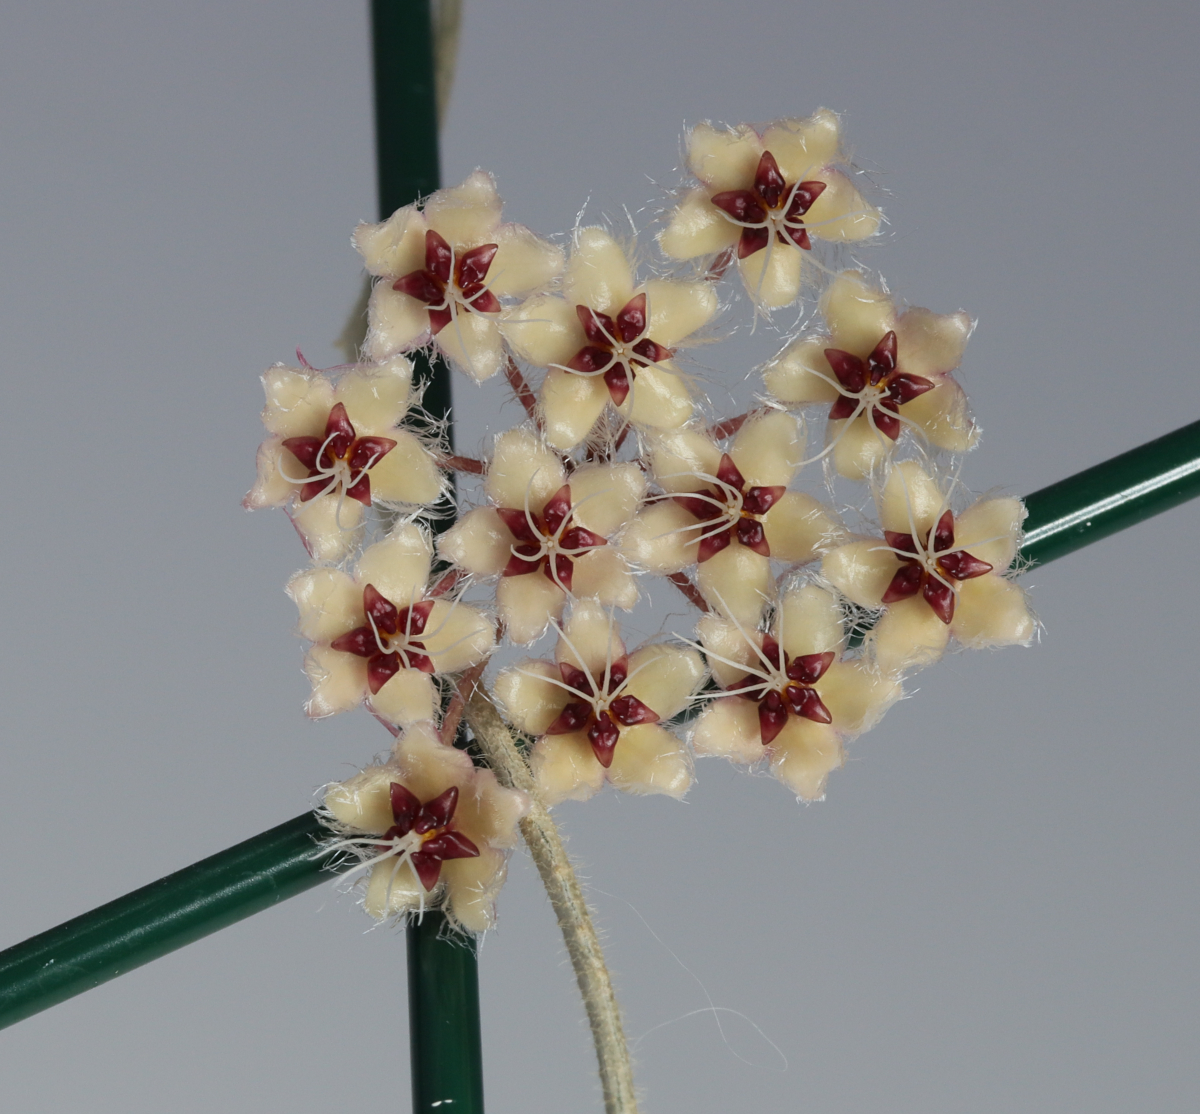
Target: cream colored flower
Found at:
x=599, y=711
x=791, y=698
x=546, y=533
x=334, y=448
x=377, y=637
x=935, y=574
x=432, y=829
x=882, y=371
x=763, y=196
x=609, y=340
x=444, y=268
x=730, y=512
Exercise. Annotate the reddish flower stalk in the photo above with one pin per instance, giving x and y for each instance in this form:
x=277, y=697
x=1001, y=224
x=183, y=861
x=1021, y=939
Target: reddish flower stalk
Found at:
x=681, y=581
x=521, y=389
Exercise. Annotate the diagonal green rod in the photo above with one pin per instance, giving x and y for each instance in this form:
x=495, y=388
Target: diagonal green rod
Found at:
x=282, y=862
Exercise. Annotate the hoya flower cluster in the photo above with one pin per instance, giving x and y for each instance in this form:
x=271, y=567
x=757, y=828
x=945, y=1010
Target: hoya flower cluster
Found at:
x=619, y=478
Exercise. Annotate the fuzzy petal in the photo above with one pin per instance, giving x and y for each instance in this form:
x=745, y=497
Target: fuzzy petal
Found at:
x=679, y=457
x=331, y=527
x=861, y=571
x=472, y=886
x=841, y=213
x=392, y=889
x=457, y=636
x=409, y=696
x=929, y=343
x=736, y=582
x=719, y=636
x=992, y=611
x=729, y=729
x=427, y=766
x=397, y=322
x=606, y=496
x=858, y=313
x=603, y=574
x=859, y=448
x=768, y=449
x=532, y=695
x=271, y=489
x=659, y=399
x=911, y=501
x=991, y=531
x=678, y=309
x=339, y=681
x=398, y=566
x=943, y=417
x=564, y=768
x=523, y=262
x=803, y=147
x=490, y=813
x=364, y=801
x=395, y=246
x=472, y=341
x=376, y=397
x=809, y=621
x=598, y=273
x=571, y=404
x=697, y=227
x=329, y=602
x=649, y=759
x=527, y=604
x=804, y=754
x=543, y=330
x=468, y=214
x=800, y=374
x=798, y=527
x=523, y=472
x=478, y=542
x=856, y=696
x=407, y=474
x=666, y=677
x=298, y=401
x=663, y=538
x=590, y=640
x=724, y=158
x=909, y=636
x=773, y=275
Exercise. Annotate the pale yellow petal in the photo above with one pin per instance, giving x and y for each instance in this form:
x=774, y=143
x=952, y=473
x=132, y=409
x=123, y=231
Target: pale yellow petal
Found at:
x=603, y=574
x=472, y=342
x=570, y=406
x=590, y=640
x=407, y=473
x=543, y=330
x=398, y=566
x=598, y=273
x=649, y=759
x=809, y=621
x=841, y=213
x=658, y=398
x=931, y=343
x=393, y=247
x=803, y=755
x=909, y=636
x=991, y=530
x=523, y=262
x=800, y=374
x=532, y=695
x=489, y=813
x=861, y=570
x=992, y=611
x=773, y=275
x=457, y=636
x=392, y=888
x=736, y=581
x=663, y=538
x=339, y=681
x=798, y=527
x=684, y=459
x=768, y=449
x=527, y=603
x=408, y=696
x=697, y=227
x=664, y=677
x=678, y=309
x=911, y=502
x=271, y=488
x=396, y=322
x=802, y=147
x=466, y=215
x=856, y=696
x=859, y=314
x=376, y=397
x=729, y=729
x=428, y=767
x=723, y=639
x=329, y=602
x=331, y=527
x=564, y=768
x=471, y=888
x=943, y=416
x=523, y=472
x=364, y=802
x=724, y=158
x=298, y=401
x=859, y=447
x=478, y=542
x=606, y=496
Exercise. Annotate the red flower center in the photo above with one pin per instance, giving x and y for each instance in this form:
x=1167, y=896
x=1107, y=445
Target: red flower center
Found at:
x=389, y=640
x=547, y=541
x=875, y=386
x=339, y=459
x=448, y=285
x=934, y=569
x=770, y=205
x=600, y=709
x=786, y=689
x=730, y=507
x=432, y=822
x=617, y=347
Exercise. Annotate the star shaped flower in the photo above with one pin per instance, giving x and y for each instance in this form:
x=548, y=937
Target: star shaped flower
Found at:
x=334, y=448
x=791, y=698
x=599, y=711
x=935, y=574
x=763, y=197
x=432, y=830
x=377, y=636
x=546, y=533
x=443, y=268
x=730, y=512
x=882, y=370
x=609, y=340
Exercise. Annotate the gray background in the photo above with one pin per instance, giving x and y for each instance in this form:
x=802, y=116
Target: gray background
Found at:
x=995, y=909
